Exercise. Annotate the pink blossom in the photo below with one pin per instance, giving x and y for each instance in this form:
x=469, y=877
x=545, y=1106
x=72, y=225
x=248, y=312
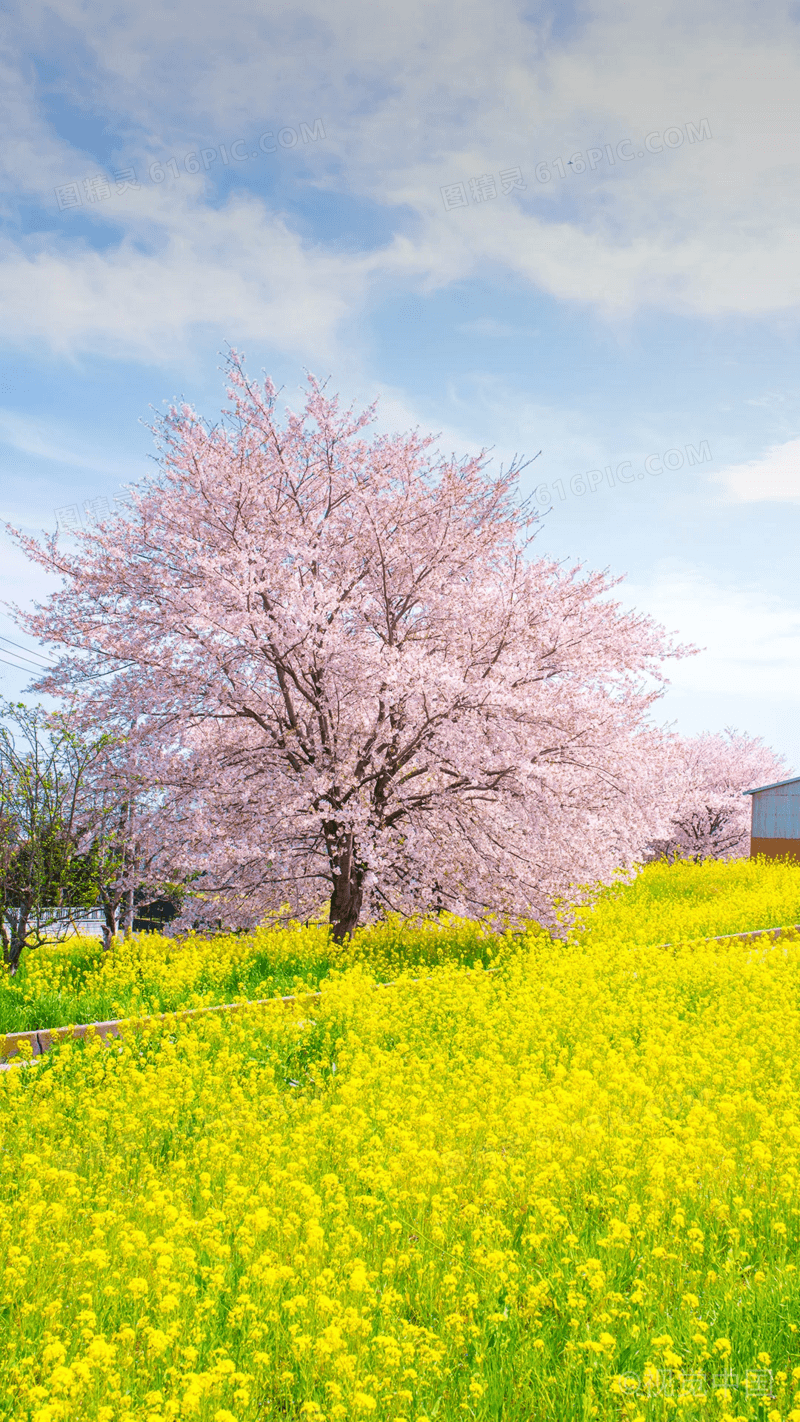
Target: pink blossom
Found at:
x=357, y=680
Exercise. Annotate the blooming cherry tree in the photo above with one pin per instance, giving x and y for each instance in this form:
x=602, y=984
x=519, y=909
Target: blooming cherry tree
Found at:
x=704, y=780
x=371, y=692
x=129, y=835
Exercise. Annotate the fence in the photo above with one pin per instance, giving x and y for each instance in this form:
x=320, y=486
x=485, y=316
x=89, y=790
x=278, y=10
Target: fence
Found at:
x=62, y=922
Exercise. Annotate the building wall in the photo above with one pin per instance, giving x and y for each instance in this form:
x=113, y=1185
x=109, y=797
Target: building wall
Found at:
x=61, y=923
x=774, y=848
x=776, y=813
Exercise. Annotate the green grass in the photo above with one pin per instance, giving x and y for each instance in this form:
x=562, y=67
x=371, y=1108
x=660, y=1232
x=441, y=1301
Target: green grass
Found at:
x=75, y=981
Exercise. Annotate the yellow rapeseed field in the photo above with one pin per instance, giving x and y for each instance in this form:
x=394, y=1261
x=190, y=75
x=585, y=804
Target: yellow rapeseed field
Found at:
x=75, y=981
x=563, y=1189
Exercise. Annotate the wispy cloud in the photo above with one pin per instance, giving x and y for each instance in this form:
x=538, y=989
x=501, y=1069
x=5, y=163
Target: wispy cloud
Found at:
x=234, y=270
x=59, y=444
x=750, y=638
x=677, y=229
x=775, y=478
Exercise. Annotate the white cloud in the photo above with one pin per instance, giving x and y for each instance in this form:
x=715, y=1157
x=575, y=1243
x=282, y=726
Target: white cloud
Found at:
x=774, y=478
x=414, y=100
x=750, y=638
x=234, y=269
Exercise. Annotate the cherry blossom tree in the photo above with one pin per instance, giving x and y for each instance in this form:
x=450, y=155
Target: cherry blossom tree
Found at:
x=369, y=690
x=704, y=779
x=129, y=828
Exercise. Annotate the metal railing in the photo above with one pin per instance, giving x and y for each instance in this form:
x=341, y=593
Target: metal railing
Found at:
x=64, y=921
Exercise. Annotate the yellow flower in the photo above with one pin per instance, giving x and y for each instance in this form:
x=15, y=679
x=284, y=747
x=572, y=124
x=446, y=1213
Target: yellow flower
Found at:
x=398, y=1214
x=157, y=1340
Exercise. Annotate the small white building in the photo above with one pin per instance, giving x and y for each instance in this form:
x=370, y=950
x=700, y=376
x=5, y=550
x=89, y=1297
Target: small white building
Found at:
x=775, y=819
x=71, y=922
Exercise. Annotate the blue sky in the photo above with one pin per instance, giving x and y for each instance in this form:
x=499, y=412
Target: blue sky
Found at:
x=568, y=228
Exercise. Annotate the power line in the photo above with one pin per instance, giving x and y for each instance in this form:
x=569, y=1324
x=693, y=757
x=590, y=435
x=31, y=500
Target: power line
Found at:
x=22, y=669
x=31, y=650
x=31, y=666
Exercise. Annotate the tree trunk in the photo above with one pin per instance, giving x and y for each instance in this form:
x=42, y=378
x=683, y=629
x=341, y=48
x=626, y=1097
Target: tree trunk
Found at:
x=19, y=934
x=348, y=890
x=15, y=953
x=127, y=916
x=14, y=942
x=110, y=910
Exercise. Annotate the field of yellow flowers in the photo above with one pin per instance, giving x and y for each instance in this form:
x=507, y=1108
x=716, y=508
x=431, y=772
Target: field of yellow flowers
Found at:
x=75, y=981
x=566, y=1188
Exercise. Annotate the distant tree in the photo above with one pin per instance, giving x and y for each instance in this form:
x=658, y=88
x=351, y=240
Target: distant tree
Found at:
x=369, y=690
x=704, y=779
x=127, y=832
x=78, y=828
x=43, y=764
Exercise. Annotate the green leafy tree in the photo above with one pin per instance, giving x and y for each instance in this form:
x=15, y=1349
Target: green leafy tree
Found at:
x=43, y=764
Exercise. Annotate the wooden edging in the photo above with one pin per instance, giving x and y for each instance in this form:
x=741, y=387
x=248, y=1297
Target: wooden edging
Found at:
x=723, y=937
x=43, y=1039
